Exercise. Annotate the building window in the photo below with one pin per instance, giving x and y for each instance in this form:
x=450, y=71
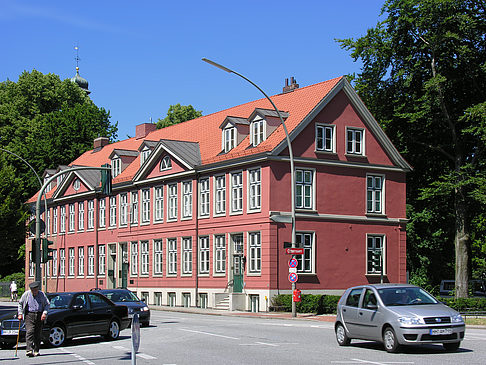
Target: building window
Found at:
x=172, y=256
x=81, y=261
x=102, y=212
x=91, y=260
x=203, y=300
x=325, y=138
x=220, y=254
x=134, y=260
x=158, y=257
x=204, y=197
x=31, y=265
x=134, y=208
x=62, y=219
x=355, y=141
x=112, y=211
x=54, y=263
x=48, y=222
x=101, y=259
x=123, y=209
x=187, y=199
x=159, y=204
x=255, y=252
x=54, y=220
x=375, y=255
x=72, y=215
x=62, y=262
x=374, y=194
x=171, y=299
x=204, y=255
x=80, y=216
x=165, y=164
x=90, y=214
x=257, y=132
x=186, y=300
x=144, y=256
x=305, y=261
x=172, y=208
x=304, y=189
x=158, y=298
x=254, y=189
x=146, y=206
x=187, y=255
x=220, y=195
x=144, y=155
x=71, y=261
x=116, y=167
x=229, y=138
x=237, y=192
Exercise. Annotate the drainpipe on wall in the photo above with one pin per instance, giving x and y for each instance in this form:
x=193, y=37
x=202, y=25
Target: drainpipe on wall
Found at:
x=197, y=240
x=96, y=218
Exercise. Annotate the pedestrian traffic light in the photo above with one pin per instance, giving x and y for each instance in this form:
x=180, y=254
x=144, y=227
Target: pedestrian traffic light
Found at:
x=46, y=250
x=106, y=180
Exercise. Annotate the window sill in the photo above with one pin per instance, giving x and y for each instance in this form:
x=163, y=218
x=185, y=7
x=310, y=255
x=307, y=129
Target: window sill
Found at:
x=306, y=274
x=355, y=155
x=259, y=210
x=186, y=218
x=254, y=274
x=306, y=210
x=219, y=275
x=236, y=213
x=329, y=153
x=158, y=222
x=375, y=275
x=186, y=275
x=376, y=215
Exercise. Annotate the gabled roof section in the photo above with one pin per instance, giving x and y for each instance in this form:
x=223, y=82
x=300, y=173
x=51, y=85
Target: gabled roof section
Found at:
x=90, y=178
x=119, y=152
x=149, y=144
x=263, y=113
x=234, y=121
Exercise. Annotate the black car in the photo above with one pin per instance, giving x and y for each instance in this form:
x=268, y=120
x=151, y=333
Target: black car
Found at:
x=77, y=314
x=9, y=329
x=128, y=298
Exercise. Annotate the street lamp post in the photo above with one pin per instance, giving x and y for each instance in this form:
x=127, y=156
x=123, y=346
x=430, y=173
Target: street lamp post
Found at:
x=291, y=155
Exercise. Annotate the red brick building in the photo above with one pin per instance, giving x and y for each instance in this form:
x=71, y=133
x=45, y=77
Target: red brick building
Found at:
x=199, y=211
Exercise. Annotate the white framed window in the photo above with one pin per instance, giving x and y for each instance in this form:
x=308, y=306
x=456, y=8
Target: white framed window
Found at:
x=134, y=256
x=304, y=189
x=144, y=257
x=76, y=184
x=101, y=259
x=62, y=219
x=255, y=252
x=145, y=206
x=325, y=138
x=134, y=208
x=305, y=261
x=229, y=138
x=91, y=214
x=375, y=254
x=54, y=263
x=187, y=255
x=187, y=199
x=355, y=141
x=144, y=155
x=204, y=255
x=165, y=164
x=80, y=216
x=172, y=206
x=158, y=257
x=102, y=212
x=159, y=204
x=72, y=215
x=123, y=209
x=257, y=132
x=31, y=265
x=171, y=256
x=80, y=261
x=254, y=190
x=237, y=192
x=62, y=262
x=374, y=194
x=220, y=195
x=113, y=211
x=71, y=261
x=54, y=220
x=115, y=167
x=220, y=254
x=91, y=260
x=48, y=222
x=204, y=197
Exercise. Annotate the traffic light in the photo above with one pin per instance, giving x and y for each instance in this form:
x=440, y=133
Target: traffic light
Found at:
x=106, y=180
x=46, y=250
x=34, y=251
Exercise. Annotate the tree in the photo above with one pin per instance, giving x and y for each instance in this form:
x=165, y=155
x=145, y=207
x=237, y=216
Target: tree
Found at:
x=424, y=79
x=177, y=114
x=48, y=122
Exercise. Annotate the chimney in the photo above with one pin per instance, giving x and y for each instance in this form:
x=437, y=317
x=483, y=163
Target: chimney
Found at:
x=100, y=142
x=293, y=85
x=143, y=129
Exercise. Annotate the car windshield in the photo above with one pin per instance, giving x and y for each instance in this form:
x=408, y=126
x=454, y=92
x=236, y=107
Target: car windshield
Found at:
x=120, y=296
x=59, y=301
x=399, y=296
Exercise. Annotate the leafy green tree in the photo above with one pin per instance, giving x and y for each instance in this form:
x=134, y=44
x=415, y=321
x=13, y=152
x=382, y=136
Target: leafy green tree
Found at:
x=424, y=79
x=177, y=114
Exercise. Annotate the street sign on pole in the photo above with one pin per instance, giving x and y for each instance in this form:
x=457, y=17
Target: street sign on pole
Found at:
x=293, y=269
x=294, y=251
x=293, y=277
x=293, y=262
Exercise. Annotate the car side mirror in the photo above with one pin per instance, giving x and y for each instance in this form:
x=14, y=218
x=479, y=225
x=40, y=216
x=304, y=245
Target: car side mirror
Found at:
x=371, y=306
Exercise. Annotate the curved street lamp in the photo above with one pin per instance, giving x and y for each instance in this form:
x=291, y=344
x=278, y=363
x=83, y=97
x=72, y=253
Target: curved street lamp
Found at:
x=291, y=155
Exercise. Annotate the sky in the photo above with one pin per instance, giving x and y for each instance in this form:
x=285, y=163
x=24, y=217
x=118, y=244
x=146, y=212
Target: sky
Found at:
x=140, y=57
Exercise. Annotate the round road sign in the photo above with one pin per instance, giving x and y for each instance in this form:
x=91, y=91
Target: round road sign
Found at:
x=293, y=263
x=293, y=277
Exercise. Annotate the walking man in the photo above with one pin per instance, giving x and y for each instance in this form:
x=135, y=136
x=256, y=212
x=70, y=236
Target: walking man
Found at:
x=33, y=307
x=13, y=291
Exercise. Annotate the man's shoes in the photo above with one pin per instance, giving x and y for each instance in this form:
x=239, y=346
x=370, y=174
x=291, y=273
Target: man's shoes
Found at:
x=36, y=353
x=29, y=353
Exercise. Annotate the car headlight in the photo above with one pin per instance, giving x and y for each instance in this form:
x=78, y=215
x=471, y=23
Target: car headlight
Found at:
x=144, y=309
x=457, y=318
x=411, y=320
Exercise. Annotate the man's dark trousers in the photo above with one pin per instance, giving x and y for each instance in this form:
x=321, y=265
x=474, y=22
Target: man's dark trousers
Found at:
x=33, y=325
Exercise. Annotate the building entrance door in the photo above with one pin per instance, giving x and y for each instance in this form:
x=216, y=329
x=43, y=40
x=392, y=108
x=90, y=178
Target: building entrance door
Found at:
x=124, y=265
x=111, y=266
x=238, y=263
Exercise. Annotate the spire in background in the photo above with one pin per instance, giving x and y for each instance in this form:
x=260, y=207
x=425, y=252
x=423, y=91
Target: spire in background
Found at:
x=82, y=83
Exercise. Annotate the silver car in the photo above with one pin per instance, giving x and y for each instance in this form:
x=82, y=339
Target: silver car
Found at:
x=396, y=314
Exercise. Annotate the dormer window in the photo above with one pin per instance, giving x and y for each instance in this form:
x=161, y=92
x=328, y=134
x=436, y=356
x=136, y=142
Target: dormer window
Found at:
x=59, y=180
x=229, y=138
x=144, y=155
x=115, y=167
x=257, y=132
x=165, y=164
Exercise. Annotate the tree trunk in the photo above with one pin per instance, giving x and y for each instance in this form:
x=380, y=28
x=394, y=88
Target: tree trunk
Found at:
x=462, y=246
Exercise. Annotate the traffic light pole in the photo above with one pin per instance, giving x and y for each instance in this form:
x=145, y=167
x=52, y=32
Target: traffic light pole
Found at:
x=38, y=270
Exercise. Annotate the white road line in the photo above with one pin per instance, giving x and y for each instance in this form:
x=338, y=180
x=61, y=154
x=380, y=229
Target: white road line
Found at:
x=210, y=334
x=120, y=348
x=381, y=363
x=267, y=344
x=139, y=354
x=78, y=357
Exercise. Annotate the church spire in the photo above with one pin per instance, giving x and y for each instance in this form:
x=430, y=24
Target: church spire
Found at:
x=82, y=83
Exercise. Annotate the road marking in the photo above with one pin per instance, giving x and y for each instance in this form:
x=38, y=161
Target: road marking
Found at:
x=209, y=334
x=267, y=344
x=139, y=354
x=86, y=361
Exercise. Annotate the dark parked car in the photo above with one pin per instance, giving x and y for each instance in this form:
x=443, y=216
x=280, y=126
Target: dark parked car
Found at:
x=128, y=298
x=79, y=314
x=9, y=328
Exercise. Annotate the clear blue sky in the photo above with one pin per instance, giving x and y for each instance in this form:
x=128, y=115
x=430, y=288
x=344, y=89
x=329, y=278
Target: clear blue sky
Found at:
x=140, y=57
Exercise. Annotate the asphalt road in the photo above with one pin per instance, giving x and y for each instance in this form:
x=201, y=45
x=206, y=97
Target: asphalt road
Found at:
x=187, y=338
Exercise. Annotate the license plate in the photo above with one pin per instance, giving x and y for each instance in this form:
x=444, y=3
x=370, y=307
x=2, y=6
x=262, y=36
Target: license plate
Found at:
x=10, y=332
x=441, y=331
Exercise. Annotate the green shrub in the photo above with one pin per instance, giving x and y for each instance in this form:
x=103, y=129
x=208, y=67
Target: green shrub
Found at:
x=320, y=304
x=19, y=278
x=465, y=304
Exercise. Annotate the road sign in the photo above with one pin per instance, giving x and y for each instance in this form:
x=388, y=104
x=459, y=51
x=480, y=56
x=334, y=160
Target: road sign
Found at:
x=293, y=269
x=294, y=251
x=32, y=226
x=293, y=277
x=293, y=262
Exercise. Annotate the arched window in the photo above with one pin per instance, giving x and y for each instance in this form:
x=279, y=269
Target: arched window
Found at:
x=166, y=164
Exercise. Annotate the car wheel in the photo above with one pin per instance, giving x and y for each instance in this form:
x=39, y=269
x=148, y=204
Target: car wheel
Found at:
x=451, y=346
x=57, y=336
x=341, y=336
x=390, y=340
x=113, y=331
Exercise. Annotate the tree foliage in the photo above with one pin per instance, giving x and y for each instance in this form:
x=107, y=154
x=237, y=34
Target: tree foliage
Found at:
x=177, y=114
x=424, y=79
x=48, y=122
